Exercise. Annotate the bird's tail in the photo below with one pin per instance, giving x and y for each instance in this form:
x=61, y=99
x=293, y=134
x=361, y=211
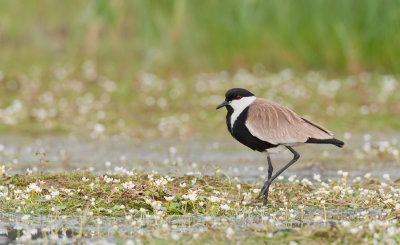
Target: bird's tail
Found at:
x=332, y=141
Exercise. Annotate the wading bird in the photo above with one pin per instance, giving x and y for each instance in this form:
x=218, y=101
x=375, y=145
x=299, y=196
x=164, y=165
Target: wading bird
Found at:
x=266, y=126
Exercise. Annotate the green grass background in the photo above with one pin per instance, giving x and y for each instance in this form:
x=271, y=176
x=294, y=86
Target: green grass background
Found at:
x=182, y=36
x=347, y=40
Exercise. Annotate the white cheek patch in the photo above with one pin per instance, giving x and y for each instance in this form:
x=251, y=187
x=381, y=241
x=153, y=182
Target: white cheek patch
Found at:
x=238, y=107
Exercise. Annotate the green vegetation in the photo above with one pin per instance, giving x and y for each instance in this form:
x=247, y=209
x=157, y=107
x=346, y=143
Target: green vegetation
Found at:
x=350, y=209
x=89, y=103
x=126, y=37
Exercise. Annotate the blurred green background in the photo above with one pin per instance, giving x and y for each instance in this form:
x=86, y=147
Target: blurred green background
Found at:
x=144, y=67
x=181, y=36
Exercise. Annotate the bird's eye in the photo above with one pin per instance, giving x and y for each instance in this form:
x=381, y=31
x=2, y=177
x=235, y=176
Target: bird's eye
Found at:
x=238, y=97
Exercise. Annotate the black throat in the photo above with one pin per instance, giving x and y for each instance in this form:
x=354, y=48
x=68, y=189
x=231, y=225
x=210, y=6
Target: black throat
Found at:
x=240, y=132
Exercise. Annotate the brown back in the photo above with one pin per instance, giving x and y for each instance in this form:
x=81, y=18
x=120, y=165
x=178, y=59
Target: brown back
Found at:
x=278, y=124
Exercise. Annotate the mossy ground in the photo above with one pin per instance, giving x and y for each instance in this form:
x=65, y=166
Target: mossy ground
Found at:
x=349, y=209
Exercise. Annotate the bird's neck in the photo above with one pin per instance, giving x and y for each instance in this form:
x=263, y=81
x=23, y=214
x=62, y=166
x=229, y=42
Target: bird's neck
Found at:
x=239, y=106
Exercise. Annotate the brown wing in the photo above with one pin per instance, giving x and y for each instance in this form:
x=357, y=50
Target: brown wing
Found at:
x=277, y=124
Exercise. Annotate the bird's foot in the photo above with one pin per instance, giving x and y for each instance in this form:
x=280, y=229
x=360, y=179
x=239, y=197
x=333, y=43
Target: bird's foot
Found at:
x=265, y=201
x=263, y=190
x=264, y=207
x=260, y=194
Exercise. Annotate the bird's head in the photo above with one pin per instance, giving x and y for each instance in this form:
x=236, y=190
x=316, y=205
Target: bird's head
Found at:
x=237, y=98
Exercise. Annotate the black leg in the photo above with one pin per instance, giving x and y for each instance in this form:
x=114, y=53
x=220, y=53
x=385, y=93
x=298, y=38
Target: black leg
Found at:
x=270, y=169
x=264, y=191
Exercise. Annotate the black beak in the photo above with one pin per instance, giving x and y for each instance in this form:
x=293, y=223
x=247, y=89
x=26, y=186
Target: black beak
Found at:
x=225, y=103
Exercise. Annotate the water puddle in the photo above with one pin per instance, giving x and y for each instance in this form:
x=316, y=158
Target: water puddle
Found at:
x=56, y=153
x=14, y=228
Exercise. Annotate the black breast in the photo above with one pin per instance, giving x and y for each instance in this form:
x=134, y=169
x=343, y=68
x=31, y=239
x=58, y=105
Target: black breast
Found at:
x=243, y=135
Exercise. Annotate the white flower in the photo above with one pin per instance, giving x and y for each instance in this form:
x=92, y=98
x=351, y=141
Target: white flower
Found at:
x=305, y=181
x=182, y=185
x=25, y=217
x=128, y=185
x=391, y=231
x=229, y=232
x=318, y=219
x=247, y=196
x=317, y=177
x=386, y=177
x=213, y=198
x=2, y=170
x=99, y=221
x=225, y=207
x=175, y=236
x=192, y=197
x=55, y=193
x=130, y=173
x=390, y=200
x=292, y=178
x=156, y=204
x=345, y=223
x=354, y=230
x=169, y=198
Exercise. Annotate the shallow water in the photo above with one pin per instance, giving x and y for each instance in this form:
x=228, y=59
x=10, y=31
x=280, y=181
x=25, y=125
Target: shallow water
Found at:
x=113, y=230
x=56, y=153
